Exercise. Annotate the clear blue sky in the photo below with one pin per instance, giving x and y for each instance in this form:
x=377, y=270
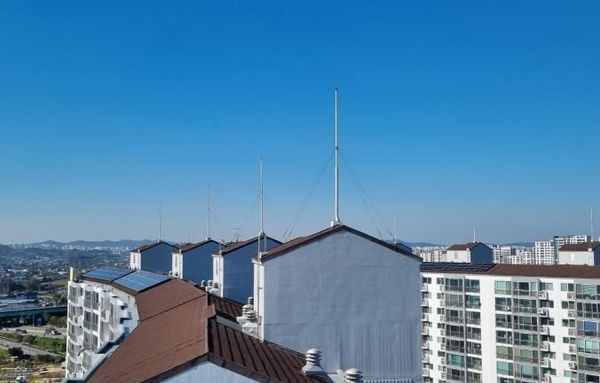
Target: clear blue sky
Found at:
x=452, y=114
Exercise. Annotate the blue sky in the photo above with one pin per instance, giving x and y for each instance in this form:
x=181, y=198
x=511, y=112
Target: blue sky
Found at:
x=452, y=114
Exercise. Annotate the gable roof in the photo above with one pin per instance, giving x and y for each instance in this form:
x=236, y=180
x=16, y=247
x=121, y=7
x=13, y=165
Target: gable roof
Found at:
x=185, y=332
x=302, y=241
x=466, y=246
x=585, y=246
x=238, y=245
x=149, y=246
x=225, y=307
x=191, y=246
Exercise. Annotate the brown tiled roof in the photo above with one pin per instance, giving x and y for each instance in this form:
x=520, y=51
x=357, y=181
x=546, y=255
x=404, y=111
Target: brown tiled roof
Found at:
x=465, y=246
x=158, y=345
x=555, y=271
x=191, y=246
x=225, y=307
x=301, y=241
x=170, y=294
x=260, y=360
x=183, y=332
x=239, y=245
x=151, y=245
x=585, y=246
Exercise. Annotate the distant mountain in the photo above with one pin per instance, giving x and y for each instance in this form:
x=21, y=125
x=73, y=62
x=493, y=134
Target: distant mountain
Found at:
x=519, y=244
x=421, y=244
x=115, y=247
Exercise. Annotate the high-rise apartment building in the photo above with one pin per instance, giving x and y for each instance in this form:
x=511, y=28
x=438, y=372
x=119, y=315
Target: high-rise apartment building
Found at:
x=510, y=323
x=546, y=252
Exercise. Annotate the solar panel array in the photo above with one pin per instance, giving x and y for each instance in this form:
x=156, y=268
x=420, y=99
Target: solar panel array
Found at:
x=141, y=280
x=106, y=274
x=456, y=267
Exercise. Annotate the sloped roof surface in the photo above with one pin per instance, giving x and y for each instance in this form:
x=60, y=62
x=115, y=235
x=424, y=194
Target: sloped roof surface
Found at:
x=148, y=246
x=238, y=245
x=191, y=246
x=302, y=241
x=464, y=246
x=585, y=246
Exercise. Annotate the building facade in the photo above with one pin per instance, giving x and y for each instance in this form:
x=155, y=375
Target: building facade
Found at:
x=509, y=324
x=472, y=252
x=332, y=290
x=585, y=253
x=194, y=261
x=154, y=257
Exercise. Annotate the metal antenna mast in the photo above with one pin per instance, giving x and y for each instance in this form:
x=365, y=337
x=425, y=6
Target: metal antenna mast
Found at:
x=262, y=208
x=474, y=237
x=208, y=215
x=592, y=223
x=336, y=220
x=160, y=219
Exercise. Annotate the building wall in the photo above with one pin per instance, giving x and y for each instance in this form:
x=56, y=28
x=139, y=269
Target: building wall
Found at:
x=236, y=271
x=208, y=372
x=197, y=264
x=481, y=254
x=157, y=259
x=349, y=297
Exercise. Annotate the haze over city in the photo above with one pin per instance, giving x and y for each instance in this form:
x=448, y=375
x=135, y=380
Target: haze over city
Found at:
x=451, y=115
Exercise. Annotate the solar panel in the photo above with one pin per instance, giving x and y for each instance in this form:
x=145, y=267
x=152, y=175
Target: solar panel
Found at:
x=141, y=280
x=456, y=267
x=106, y=273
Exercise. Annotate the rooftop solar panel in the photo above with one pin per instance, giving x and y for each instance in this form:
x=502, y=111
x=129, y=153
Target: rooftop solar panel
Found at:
x=456, y=267
x=107, y=274
x=141, y=280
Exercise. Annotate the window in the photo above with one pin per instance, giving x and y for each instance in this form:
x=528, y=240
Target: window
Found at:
x=546, y=286
x=503, y=287
x=567, y=287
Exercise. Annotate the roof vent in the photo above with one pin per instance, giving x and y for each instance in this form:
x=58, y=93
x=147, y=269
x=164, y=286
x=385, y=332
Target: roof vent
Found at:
x=313, y=363
x=249, y=319
x=353, y=375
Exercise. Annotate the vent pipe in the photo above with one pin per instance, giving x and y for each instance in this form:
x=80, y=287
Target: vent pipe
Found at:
x=249, y=319
x=313, y=363
x=353, y=375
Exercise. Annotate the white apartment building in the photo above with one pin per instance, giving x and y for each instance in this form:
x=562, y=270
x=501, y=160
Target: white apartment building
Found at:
x=510, y=323
x=98, y=314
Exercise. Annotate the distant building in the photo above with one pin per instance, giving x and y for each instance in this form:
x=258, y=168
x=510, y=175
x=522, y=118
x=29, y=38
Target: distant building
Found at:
x=546, y=252
x=502, y=253
x=232, y=267
x=586, y=253
x=513, y=255
x=4, y=281
x=348, y=294
x=155, y=257
x=194, y=261
x=472, y=252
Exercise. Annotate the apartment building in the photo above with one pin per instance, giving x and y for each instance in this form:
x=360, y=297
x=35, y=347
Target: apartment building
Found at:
x=510, y=323
x=585, y=253
x=546, y=252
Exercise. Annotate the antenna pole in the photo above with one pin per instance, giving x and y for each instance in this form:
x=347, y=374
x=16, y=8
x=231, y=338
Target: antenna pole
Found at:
x=592, y=223
x=262, y=199
x=160, y=219
x=395, y=230
x=474, y=237
x=208, y=215
x=336, y=219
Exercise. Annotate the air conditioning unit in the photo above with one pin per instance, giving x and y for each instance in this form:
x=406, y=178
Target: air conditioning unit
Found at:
x=442, y=318
x=442, y=304
x=443, y=346
x=545, y=346
x=425, y=359
x=572, y=314
x=542, y=311
x=571, y=332
x=426, y=372
x=545, y=379
x=443, y=361
x=573, y=365
x=424, y=288
x=545, y=363
x=442, y=332
x=425, y=317
x=572, y=348
x=424, y=302
x=444, y=375
x=544, y=329
x=543, y=295
x=571, y=296
x=442, y=288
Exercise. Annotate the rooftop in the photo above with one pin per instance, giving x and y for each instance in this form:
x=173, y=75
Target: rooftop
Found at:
x=149, y=246
x=191, y=246
x=552, y=271
x=302, y=241
x=179, y=329
x=238, y=245
x=465, y=246
x=585, y=246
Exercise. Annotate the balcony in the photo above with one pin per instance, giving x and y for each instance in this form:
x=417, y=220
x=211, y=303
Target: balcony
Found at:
x=425, y=345
x=425, y=331
x=544, y=330
x=503, y=308
x=545, y=346
x=425, y=317
x=426, y=359
x=545, y=363
x=424, y=288
x=426, y=372
x=424, y=302
x=543, y=295
x=542, y=312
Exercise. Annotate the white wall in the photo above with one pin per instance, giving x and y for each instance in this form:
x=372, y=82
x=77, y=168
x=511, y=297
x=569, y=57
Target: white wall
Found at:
x=357, y=301
x=208, y=372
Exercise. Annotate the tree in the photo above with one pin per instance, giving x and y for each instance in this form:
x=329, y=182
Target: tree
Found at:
x=32, y=284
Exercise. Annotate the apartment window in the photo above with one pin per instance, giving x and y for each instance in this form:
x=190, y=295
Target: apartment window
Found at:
x=426, y=280
x=567, y=287
x=472, y=285
x=503, y=287
x=504, y=352
x=524, y=288
x=453, y=284
x=503, y=304
x=585, y=291
x=546, y=286
x=588, y=328
x=504, y=368
x=504, y=320
x=568, y=305
x=473, y=348
x=473, y=302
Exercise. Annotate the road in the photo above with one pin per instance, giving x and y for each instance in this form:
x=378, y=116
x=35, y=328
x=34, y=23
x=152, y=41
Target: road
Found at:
x=27, y=349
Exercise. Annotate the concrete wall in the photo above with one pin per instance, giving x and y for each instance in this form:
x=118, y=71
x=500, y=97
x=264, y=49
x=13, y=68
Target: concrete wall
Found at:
x=590, y=258
x=482, y=254
x=356, y=300
x=157, y=259
x=237, y=274
x=208, y=372
x=197, y=264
